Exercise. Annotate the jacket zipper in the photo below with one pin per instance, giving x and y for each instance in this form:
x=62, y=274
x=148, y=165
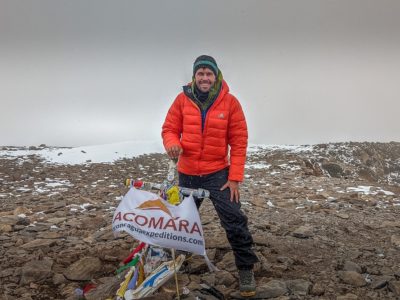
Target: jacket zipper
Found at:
x=201, y=132
x=205, y=126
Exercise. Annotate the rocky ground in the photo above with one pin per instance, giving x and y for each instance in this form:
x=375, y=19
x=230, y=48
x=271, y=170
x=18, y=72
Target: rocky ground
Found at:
x=324, y=220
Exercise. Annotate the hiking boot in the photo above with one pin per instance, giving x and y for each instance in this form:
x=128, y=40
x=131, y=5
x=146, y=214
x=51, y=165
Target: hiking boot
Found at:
x=247, y=283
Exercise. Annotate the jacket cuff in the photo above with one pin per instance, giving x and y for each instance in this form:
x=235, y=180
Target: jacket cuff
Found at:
x=236, y=173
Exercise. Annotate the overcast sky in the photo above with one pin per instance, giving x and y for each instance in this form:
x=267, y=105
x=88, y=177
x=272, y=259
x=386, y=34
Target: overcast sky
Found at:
x=90, y=72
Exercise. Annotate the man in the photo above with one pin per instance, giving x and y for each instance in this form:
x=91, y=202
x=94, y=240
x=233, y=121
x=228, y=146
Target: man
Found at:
x=203, y=123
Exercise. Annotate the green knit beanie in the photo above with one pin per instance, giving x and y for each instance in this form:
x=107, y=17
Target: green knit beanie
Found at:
x=205, y=61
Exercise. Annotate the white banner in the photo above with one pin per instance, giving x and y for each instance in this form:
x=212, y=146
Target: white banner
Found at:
x=152, y=220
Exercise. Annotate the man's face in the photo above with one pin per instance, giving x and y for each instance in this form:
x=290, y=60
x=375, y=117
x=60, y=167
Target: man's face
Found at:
x=204, y=79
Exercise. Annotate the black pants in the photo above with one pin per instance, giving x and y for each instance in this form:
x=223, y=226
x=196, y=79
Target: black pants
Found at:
x=233, y=220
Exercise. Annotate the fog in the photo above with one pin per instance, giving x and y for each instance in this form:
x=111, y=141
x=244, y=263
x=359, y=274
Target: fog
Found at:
x=78, y=73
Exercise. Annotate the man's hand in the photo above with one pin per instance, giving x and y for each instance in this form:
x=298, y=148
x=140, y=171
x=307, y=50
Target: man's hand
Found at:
x=174, y=152
x=234, y=188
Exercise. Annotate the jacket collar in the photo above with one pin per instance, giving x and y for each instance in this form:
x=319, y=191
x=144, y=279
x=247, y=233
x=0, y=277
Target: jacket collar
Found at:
x=188, y=91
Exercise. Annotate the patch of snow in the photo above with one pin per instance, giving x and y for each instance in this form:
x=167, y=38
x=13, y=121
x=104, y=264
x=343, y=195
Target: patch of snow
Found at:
x=94, y=154
x=23, y=190
x=75, y=207
x=270, y=204
x=289, y=167
x=59, y=183
x=84, y=205
x=289, y=148
x=369, y=190
x=361, y=188
x=52, y=194
x=41, y=191
x=387, y=193
x=258, y=166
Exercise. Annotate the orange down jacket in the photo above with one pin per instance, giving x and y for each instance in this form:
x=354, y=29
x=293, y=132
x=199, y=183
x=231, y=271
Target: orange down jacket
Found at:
x=206, y=151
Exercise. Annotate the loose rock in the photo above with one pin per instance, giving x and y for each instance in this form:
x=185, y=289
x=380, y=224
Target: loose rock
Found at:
x=352, y=278
x=83, y=269
x=303, y=232
x=36, y=271
x=273, y=288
